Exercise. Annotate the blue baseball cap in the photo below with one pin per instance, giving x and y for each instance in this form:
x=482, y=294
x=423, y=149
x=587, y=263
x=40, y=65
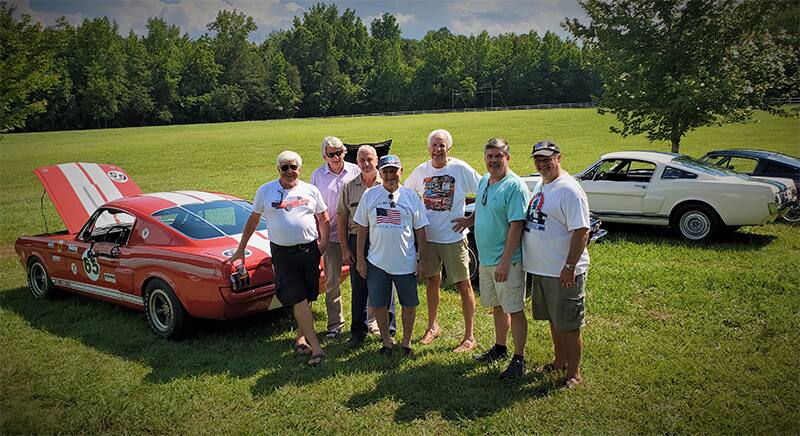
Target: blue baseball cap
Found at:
x=389, y=160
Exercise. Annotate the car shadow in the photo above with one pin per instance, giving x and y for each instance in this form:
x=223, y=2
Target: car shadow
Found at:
x=456, y=391
x=635, y=233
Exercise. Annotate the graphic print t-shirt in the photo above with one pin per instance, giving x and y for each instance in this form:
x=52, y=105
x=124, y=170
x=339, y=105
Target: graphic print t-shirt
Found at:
x=556, y=209
x=391, y=223
x=289, y=213
x=443, y=191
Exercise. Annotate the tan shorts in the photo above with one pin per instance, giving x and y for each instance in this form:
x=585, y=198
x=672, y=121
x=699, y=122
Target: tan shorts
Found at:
x=510, y=295
x=454, y=256
x=564, y=307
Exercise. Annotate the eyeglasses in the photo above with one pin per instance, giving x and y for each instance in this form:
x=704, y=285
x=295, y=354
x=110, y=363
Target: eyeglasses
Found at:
x=392, y=204
x=334, y=153
x=485, y=196
x=277, y=204
x=285, y=167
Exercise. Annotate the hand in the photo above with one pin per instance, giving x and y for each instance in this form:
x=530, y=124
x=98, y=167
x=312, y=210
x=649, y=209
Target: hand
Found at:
x=567, y=277
x=322, y=245
x=361, y=267
x=239, y=254
x=347, y=256
x=421, y=267
x=459, y=224
x=501, y=271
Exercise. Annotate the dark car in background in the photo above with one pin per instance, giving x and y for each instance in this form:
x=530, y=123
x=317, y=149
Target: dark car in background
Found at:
x=761, y=164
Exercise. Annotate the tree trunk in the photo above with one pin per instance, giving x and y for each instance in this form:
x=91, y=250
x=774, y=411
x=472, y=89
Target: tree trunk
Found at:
x=676, y=143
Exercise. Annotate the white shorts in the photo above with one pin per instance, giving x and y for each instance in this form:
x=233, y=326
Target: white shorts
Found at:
x=510, y=295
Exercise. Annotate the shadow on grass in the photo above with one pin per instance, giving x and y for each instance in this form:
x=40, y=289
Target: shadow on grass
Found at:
x=238, y=347
x=642, y=234
x=455, y=390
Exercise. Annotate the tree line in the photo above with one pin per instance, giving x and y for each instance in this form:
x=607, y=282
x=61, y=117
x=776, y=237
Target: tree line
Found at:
x=328, y=63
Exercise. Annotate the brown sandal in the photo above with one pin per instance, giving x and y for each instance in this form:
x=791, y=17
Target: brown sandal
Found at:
x=316, y=359
x=430, y=335
x=466, y=345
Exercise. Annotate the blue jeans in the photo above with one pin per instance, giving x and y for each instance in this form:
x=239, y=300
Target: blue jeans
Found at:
x=358, y=306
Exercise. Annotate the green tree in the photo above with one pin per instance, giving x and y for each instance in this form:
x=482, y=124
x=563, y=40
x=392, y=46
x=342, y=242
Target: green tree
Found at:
x=670, y=66
x=162, y=43
x=27, y=69
x=389, y=83
x=138, y=103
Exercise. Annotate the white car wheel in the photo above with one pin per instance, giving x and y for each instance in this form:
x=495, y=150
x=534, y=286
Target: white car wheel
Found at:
x=697, y=222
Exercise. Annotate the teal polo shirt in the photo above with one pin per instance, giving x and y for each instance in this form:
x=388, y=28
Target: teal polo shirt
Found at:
x=505, y=201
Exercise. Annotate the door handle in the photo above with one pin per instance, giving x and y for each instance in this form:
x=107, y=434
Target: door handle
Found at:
x=640, y=185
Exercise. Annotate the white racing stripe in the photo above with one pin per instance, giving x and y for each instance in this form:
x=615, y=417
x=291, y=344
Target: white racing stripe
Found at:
x=258, y=240
x=88, y=195
x=174, y=197
x=98, y=290
x=101, y=179
x=205, y=196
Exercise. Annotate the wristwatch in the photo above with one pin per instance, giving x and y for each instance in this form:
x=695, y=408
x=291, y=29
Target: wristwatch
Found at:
x=570, y=266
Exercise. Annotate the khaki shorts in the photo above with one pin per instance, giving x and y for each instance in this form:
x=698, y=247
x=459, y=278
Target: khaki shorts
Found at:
x=454, y=256
x=564, y=307
x=510, y=295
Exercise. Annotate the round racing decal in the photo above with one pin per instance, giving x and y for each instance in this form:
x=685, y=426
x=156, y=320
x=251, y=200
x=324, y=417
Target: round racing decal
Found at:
x=90, y=266
x=74, y=269
x=145, y=233
x=229, y=252
x=117, y=176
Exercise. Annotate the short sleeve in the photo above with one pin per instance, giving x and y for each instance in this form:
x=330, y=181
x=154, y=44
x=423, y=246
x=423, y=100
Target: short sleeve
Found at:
x=420, y=217
x=320, y=206
x=472, y=178
x=414, y=181
x=362, y=216
x=341, y=207
x=259, y=200
x=517, y=202
x=575, y=207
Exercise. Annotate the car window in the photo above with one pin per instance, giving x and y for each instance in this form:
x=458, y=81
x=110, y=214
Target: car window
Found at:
x=672, y=173
x=109, y=225
x=775, y=168
x=741, y=165
x=209, y=220
x=621, y=170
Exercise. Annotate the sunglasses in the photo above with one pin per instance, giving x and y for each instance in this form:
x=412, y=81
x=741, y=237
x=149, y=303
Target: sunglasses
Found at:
x=285, y=167
x=392, y=204
x=485, y=196
x=334, y=153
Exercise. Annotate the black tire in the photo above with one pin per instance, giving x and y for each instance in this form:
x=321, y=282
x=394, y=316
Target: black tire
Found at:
x=165, y=313
x=793, y=214
x=39, y=282
x=472, y=248
x=696, y=222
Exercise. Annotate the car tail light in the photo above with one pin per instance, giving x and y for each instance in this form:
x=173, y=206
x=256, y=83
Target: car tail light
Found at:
x=240, y=279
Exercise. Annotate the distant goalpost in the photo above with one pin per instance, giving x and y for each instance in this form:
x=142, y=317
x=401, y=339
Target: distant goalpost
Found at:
x=488, y=92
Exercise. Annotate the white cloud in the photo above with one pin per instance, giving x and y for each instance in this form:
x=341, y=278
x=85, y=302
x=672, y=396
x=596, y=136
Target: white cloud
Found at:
x=474, y=16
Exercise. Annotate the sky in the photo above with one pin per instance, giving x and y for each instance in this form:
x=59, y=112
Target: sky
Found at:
x=415, y=17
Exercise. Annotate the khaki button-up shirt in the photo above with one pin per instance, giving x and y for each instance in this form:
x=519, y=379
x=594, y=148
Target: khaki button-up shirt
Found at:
x=349, y=198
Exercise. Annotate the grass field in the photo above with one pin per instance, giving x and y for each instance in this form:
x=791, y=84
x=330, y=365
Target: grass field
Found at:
x=680, y=338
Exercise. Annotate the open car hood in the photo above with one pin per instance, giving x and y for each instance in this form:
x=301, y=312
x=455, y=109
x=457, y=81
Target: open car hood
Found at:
x=78, y=189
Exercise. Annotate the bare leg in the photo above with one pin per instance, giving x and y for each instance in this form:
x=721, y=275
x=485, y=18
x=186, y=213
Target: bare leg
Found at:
x=572, y=342
x=432, y=290
x=468, y=308
x=519, y=331
x=409, y=314
x=502, y=322
x=559, y=355
x=305, y=324
x=382, y=317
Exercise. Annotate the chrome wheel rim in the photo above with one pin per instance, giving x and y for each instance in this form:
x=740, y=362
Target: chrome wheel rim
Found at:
x=793, y=214
x=161, y=310
x=695, y=225
x=38, y=280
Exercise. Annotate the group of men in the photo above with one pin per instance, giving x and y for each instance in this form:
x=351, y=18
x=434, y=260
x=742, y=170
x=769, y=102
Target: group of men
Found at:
x=391, y=233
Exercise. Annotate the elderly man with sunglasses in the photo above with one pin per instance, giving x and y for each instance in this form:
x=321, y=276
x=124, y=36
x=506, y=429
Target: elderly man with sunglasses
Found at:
x=394, y=218
x=330, y=178
x=444, y=183
x=297, y=219
x=498, y=218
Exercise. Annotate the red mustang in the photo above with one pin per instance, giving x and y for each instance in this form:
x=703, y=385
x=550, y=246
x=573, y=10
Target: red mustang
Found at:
x=162, y=253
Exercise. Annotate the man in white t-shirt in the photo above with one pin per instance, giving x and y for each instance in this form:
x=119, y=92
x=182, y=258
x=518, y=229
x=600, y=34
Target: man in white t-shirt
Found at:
x=554, y=250
x=444, y=183
x=294, y=211
x=394, y=218
x=330, y=178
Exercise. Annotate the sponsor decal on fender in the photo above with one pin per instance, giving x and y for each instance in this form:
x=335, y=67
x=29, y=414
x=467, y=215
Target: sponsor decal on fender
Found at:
x=111, y=278
x=117, y=176
x=60, y=245
x=72, y=248
x=145, y=233
x=56, y=258
x=74, y=269
x=51, y=244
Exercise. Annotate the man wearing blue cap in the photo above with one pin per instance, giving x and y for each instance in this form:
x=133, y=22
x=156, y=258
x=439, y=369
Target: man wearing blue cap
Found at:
x=393, y=217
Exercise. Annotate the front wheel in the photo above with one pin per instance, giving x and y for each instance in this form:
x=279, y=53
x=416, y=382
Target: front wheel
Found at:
x=39, y=282
x=696, y=222
x=165, y=313
x=793, y=214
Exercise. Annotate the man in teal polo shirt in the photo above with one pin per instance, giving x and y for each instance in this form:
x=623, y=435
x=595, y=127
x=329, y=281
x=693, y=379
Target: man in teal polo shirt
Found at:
x=499, y=217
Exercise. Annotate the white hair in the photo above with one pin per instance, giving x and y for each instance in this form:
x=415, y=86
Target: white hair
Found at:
x=332, y=142
x=289, y=156
x=448, y=138
x=366, y=148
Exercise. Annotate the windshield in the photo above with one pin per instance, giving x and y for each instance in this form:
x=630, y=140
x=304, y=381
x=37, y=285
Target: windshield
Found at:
x=209, y=220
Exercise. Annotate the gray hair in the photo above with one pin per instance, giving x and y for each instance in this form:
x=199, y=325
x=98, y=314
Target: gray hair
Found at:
x=366, y=148
x=289, y=156
x=332, y=142
x=448, y=138
x=499, y=144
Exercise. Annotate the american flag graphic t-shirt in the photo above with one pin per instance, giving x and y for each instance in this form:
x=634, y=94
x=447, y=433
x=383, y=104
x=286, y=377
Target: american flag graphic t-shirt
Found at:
x=387, y=216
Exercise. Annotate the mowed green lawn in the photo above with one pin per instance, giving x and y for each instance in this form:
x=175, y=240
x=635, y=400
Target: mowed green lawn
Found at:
x=680, y=338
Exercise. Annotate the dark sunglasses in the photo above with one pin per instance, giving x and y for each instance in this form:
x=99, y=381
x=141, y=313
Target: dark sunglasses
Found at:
x=392, y=204
x=334, y=153
x=285, y=167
